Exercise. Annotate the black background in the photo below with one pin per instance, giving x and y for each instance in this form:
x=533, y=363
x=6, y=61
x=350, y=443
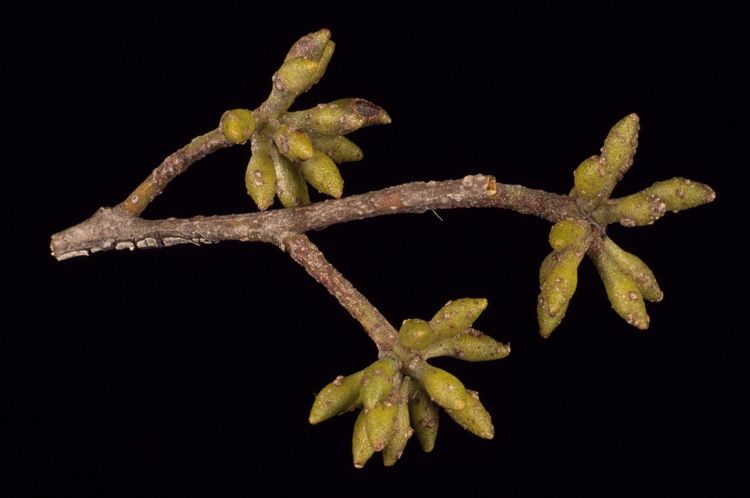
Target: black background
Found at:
x=190, y=371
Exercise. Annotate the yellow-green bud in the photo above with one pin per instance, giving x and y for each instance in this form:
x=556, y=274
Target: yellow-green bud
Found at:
x=293, y=143
x=590, y=180
x=569, y=233
x=474, y=417
x=424, y=417
x=641, y=208
x=322, y=174
x=471, y=345
x=548, y=263
x=296, y=75
x=457, y=316
x=339, y=396
x=339, y=149
x=619, y=147
x=597, y=176
x=622, y=291
x=401, y=429
x=415, y=334
x=260, y=175
x=290, y=185
x=560, y=278
x=380, y=420
x=238, y=125
x=378, y=380
x=361, y=448
x=636, y=269
x=444, y=389
x=681, y=193
x=339, y=117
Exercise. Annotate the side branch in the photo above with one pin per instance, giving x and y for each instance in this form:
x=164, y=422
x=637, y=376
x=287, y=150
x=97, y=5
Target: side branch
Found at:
x=307, y=254
x=173, y=165
x=112, y=229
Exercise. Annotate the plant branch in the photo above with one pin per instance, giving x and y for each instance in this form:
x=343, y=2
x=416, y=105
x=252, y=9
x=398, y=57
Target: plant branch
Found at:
x=174, y=164
x=307, y=254
x=114, y=229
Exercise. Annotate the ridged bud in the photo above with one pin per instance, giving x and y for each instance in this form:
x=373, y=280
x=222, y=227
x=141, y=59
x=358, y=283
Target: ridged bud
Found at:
x=636, y=269
x=361, y=448
x=444, y=388
x=260, y=175
x=402, y=431
x=378, y=380
x=338, y=117
x=622, y=290
x=293, y=143
x=470, y=345
x=321, y=172
x=339, y=149
x=474, y=417
x=457, y=316
x=290, y=185
x=339, y=396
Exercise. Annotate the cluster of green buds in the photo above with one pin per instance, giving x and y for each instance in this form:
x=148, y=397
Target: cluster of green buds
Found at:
x=627, y=279
x=400, y=395
x=290, y=150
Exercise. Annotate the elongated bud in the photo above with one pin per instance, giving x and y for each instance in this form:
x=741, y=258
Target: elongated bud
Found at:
x=457, y=316
x=471, y=345
x=560, y=278
x=570, y=233
x=641, y=208
x=424, y=417
x=444, y=388
x=290, y=185
x=339, y=149
x=622, y=291
x=402, y=431
x=596, y=177
x=636, y=269
x=339, y=117
x=380, y=420
x=681, y=193
x=238, y=125
x=474, y=418
x=361, y=448
x=260, y=175
x=378, y=380
x=293, y=143
x=337, y=397
x=415, y=334
x=296, y=75
x=322, y=174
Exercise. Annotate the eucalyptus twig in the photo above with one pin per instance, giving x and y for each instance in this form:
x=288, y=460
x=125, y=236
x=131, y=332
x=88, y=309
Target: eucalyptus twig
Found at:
x=399, y=394
x=112, y=229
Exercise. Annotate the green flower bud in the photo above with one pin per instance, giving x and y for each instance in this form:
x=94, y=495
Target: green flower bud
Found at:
x=619, y=147
x=293, y=143
x=638, y=209
x=378, y=380
x=471, y=345
x=590, y=180
x=681, y=193
x=322, y=174
x=569, y=233
x=415, y=334
x=559, y=278
x=401, y=429
x=290, y=185
x=424, y=417
x=622, y=290
x=296, y=75
x=339, y=149
x=474, y=417
x=634, y=267
x=457, y=316
x=339, y=396
x=260, y=176
x=361, y=448
x=380, y=420
x=596, y=177
x=444, y=389
x=339, y=117
x=237, y=125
